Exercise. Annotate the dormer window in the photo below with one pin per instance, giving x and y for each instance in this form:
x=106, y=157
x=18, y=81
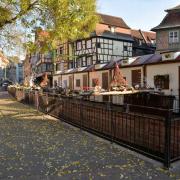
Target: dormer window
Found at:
x=153, y=41
x=173, y=37
x=140, y=42
x=112, y=29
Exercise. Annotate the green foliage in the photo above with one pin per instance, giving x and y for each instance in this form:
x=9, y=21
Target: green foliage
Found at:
x=24, y=5
x=64, y=20
x=13, y=59
x=5, y=14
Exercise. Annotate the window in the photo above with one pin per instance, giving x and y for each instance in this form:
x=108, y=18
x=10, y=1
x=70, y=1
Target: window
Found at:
x=64, y=84
x=59, y=81
x=61, y=50
x=79, y=45
x=44, y=67
x=98, y=45
x=78, y=83
x=58, y=67
x=112, y=29
x=48, y=67
x=161, y=81
x=125, y=48
x=55, y=83
x=78, y=62
x=95, y=82
x=89, y=60
x=88, y=44
x=140, y=42
x=173, y=37
x=70, y=64
x=84, y=44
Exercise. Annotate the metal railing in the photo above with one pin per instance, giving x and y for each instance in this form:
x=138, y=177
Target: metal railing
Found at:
x=155, y=135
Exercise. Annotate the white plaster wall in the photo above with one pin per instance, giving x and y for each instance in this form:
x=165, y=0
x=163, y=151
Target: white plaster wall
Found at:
x=161, y=69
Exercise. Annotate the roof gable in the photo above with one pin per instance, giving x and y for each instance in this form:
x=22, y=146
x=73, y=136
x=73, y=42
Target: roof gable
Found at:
x=176, y=8
x=143, y=35
x=113, y=21
x=171, y=20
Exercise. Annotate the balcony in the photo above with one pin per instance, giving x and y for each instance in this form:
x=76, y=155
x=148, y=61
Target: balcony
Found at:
x=174, y=46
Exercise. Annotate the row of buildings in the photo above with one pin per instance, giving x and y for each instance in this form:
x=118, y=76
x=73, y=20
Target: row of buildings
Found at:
x=147, y=59
x=3, y=63
x=10, y=70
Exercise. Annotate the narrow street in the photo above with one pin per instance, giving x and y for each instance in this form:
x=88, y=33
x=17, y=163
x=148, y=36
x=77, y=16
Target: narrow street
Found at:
x=34, y=146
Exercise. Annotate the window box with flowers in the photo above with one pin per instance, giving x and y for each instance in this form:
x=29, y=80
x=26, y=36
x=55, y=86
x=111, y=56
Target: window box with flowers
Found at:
x=161, y=81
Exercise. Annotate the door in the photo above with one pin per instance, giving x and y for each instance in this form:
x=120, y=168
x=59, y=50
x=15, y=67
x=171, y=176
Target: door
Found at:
x=70, y=83
x=136, y=77
x=85, y=81
x=179, y=90
x=105, y=81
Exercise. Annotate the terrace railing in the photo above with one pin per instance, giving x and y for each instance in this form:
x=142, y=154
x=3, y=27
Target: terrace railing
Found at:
x=134, y=126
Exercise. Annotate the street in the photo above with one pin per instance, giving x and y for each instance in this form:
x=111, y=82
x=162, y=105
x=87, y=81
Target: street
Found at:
x=35, y=146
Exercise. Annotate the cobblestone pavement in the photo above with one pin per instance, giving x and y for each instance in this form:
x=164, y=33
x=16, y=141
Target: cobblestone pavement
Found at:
x=35, y=147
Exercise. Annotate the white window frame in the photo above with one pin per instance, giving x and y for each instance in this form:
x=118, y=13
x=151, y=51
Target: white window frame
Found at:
x=173, y=36
x=88, y=44
x=79, y=45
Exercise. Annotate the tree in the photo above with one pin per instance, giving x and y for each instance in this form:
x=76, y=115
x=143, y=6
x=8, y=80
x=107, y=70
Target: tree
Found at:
x=62, y=19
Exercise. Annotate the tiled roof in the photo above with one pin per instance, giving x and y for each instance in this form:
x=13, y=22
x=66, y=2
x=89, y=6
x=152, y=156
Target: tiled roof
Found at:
x=171, y=20
x=150, y=59
x=119, y=36
x=154, y=58
x=141, y=59
x=111, y=64
x=89, y=68
x=173, y=9
x=113, y=21
x=146, y=59
x=147, y=35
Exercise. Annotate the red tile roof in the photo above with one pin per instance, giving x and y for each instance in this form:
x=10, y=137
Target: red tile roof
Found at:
x=113, y=21
x=147, y=35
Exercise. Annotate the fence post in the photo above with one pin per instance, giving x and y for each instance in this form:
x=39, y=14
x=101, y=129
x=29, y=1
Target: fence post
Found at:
x=37, y=100
x=81, y=113
x=109, y=108
x=168, y=139
x=62, y=110
x=47, y=104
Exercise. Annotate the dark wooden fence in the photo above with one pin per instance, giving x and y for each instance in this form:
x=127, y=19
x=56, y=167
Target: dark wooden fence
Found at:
x=157, y=136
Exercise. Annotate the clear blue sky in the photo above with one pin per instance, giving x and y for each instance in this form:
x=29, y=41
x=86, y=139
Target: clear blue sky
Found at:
x=138, y=14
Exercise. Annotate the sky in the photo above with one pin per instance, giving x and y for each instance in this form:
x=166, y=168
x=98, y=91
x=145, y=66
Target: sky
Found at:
x=138, y=14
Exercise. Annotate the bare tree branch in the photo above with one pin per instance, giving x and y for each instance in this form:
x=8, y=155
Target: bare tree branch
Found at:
x=20, y=14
